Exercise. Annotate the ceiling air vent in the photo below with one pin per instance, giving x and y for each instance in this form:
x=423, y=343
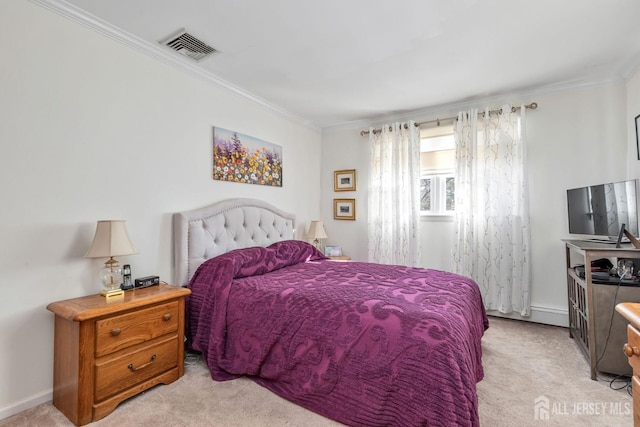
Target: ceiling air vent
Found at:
x=187, y=45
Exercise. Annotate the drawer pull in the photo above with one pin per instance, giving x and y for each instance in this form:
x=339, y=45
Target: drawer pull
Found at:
x=167, y=316
x=115, y=332
x=130, y=366
x=631, y=351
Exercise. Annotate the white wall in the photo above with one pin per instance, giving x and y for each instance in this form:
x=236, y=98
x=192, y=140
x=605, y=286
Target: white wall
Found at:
x=91, y=129
x=633, y=110
x=576, y=137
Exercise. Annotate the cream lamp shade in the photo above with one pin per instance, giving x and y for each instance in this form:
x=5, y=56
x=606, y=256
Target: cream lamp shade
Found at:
x=316, y=232
x=111, y=239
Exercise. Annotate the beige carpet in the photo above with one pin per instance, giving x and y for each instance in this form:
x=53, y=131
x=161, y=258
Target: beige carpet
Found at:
x=523, y=362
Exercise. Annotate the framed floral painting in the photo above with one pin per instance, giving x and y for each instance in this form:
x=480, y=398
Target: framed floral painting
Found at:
x=245, y=159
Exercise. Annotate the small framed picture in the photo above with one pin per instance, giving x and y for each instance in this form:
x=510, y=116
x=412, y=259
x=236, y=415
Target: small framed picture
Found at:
x=344, y=180
x=638, y=134
x=332, y=251
x=344, y=209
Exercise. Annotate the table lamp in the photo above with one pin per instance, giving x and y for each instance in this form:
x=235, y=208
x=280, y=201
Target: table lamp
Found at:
x=316, y=232
x=111, y=240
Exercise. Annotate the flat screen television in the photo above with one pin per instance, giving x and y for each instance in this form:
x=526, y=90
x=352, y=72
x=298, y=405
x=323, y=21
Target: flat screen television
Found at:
x=600, y=210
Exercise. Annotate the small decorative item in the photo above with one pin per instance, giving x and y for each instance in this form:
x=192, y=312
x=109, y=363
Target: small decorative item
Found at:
x=638, y=134
x=245, y=159
x=344, y=180
x=332, y=251
x=344, y=209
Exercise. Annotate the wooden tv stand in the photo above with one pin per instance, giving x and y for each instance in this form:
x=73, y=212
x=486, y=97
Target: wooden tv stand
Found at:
x=598, y=330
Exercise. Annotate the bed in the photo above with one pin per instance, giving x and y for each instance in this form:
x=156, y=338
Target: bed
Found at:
x=364, y=344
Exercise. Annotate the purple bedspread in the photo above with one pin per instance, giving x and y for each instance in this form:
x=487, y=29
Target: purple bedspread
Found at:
x=364, y=344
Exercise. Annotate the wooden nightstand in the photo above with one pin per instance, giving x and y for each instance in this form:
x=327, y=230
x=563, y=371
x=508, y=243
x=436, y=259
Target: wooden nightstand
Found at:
x=105, y=352
x=340, y=258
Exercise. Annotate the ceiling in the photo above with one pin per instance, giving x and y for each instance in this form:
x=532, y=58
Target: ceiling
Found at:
x=334, y=62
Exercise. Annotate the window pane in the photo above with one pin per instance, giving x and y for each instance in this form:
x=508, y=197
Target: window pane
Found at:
x=450, y=188
x=425, y=194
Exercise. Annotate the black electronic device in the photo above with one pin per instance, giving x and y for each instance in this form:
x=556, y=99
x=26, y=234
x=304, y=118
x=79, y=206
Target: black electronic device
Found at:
x=600, y=275
x=600, y=210
x=620, y=236
x=145, y=282
x=126, y=278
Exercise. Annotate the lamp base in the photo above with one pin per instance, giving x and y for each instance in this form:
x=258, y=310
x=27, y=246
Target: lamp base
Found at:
x=112, y=294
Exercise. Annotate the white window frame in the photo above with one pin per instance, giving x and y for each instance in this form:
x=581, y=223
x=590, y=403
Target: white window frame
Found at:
x=438, y=183
x=438, y=192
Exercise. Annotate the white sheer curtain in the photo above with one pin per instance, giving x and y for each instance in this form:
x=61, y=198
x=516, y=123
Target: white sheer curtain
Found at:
x=492, y=210
x=394, y=194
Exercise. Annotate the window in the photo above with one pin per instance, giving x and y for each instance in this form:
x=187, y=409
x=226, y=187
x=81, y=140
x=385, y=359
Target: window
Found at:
x=437, y=193
x=437, y=181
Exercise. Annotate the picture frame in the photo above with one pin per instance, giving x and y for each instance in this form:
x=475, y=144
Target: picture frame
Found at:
x=344, y=209
x=344, y=180
x=245, y=159
x=332, y=251
x=638, y=135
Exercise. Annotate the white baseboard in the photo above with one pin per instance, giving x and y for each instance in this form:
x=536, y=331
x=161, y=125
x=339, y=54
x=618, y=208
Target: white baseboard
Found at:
x=546, y=315
x=27, y=403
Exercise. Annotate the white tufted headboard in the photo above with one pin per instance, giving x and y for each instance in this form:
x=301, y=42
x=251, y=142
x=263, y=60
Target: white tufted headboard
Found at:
x=207, y=232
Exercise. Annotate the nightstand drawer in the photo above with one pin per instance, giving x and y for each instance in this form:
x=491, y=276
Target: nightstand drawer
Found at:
x=118, y=332
x=633, y=340
x=115, y=375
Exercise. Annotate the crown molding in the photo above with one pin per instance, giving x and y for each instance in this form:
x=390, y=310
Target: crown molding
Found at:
x=451, y=109
x=80, y=16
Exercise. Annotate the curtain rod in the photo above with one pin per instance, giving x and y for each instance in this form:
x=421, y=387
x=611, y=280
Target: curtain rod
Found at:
x=531, y=106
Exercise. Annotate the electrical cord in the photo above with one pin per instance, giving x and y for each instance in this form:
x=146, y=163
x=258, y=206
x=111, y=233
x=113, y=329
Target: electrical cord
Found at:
x=617, y=382
x=613, y=310
x=626, y=384
x=627, y=380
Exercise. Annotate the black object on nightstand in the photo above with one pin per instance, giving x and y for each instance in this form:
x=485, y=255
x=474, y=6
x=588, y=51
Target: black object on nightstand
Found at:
x=126, y=278
x=145, y=282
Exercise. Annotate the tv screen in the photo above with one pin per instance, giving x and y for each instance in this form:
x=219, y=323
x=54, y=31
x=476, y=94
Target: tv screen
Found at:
x=600, y=210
